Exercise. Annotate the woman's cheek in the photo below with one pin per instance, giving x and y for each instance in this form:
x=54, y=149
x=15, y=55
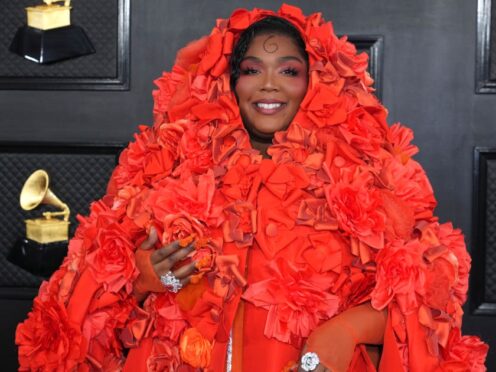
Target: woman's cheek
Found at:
x=245, y=86
x=299, y=86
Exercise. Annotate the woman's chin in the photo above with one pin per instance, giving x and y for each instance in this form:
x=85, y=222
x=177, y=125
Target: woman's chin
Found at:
x=267, y=131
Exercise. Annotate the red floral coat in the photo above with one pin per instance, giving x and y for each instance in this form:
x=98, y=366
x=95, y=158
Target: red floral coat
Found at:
x=339, y=215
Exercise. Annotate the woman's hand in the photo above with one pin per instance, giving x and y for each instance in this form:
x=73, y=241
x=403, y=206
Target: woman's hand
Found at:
x=166, y=258
x=334, y=341
x=153, y=264
x=334, y=345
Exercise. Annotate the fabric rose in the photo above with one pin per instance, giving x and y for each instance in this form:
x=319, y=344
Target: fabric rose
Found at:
x=186, y=195
x=111, y=363
x=164, y=356
x=285, y=181
x=167, y=95
x=169, y=136
x=366, y=130
x=322, y=39
x=399, y=215
x=213, y=56
x=159, y=163
x=399, y=141
x=169, y=321
x=242, y=180
x=113, y=262
x=144, y=161
x=348, y=63
x=101, y=215
x=453, y=239
x=224, y=113
x=99, y=328
x=315, y=212
x=357, y=208
x=464, y=353
x=410, y=184
x=297, y=144
x=195, y=349
x=57, y=286
x=441, y=275
x=297, y=300
x=226, y=276
x=138, y=216
x=240, y=224
x=400, y=275
x=180, y=226
x=325, y=251
x=324, y=107
x=195, y=151
x=226, y=139
x=48, y=341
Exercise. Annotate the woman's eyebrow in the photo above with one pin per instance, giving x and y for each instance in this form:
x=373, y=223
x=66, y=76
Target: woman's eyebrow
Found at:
x=290, y=58
x=251, y=58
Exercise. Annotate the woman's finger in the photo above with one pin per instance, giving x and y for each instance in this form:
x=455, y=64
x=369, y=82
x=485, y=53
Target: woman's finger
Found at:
x=164, y=252
x=319, y=368
x=181, y=254
x=172, y=259
x=185, y=271
x=151, y=240
x=185, y=281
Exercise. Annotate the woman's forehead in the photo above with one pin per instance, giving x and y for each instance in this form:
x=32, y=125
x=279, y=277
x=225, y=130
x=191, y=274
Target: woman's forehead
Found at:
x=264, y=45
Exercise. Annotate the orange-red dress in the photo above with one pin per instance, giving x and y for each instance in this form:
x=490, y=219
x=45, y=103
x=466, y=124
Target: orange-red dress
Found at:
x=341, y=214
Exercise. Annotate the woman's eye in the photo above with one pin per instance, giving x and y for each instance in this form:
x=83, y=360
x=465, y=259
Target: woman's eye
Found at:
x=249, y=71
x=290, y=71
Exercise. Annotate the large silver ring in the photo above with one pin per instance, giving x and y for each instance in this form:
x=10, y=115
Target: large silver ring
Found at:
x=170, y=282
x=309, y=361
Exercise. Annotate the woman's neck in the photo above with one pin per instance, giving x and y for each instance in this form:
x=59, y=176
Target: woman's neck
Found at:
x=261, y=146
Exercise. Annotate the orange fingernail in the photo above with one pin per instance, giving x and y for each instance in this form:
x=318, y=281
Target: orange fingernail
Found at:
x=186, y=241
x=201, y=242
x=203, y=262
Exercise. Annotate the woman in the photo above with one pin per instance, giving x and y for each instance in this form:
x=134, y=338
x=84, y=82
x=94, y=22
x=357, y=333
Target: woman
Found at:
x=320, y=244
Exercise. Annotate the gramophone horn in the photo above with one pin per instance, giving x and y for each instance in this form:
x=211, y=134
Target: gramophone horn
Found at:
x=35, y=192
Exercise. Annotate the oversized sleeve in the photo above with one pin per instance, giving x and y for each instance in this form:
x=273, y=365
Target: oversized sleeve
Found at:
x=422, y=273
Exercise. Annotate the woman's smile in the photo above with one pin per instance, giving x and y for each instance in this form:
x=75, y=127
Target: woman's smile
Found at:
x=269, y=107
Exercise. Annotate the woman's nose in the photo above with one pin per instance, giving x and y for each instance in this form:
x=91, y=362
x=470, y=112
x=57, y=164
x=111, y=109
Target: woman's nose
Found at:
x=269, y=82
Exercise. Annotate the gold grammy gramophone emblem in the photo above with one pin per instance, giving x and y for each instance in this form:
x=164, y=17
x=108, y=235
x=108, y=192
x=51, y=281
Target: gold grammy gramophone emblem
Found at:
x=49, y=228
x=49, y=16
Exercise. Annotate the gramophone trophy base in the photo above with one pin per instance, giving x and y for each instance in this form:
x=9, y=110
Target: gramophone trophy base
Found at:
x=44, y=230
x=41, y=259
x=48, y=46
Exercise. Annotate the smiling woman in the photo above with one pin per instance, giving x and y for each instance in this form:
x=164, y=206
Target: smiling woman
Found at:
x=206, y=255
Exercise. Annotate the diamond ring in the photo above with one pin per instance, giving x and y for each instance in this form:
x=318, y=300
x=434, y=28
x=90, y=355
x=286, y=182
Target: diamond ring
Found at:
x=309, y=361
x=170, y=281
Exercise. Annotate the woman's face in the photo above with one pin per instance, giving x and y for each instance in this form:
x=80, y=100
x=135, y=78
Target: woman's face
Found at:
x=272, y=83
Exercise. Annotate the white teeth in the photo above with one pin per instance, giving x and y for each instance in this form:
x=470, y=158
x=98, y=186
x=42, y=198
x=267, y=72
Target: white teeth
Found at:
x=269, y=106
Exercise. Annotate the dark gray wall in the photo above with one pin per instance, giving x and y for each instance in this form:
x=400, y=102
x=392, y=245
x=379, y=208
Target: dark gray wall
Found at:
x=428, y=84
